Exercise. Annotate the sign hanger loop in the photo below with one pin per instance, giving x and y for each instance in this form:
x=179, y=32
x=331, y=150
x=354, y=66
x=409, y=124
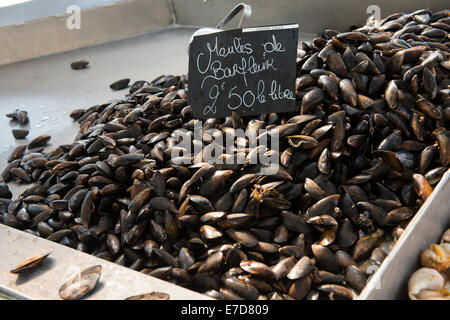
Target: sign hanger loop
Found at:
x=246, y=13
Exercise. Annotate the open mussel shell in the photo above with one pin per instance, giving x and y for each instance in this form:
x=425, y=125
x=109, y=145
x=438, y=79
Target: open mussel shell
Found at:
x=81, y=284
x=302, y=141
x=150, y=296
x=30, y=264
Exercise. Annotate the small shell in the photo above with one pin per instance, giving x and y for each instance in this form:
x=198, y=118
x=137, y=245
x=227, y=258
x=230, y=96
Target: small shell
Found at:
x=150, y=296
x=301, y=141
x=29, y=264
x=424, y=279
x=303, y=267
x=77, y=65
x=436, y=257
x=81, y=284
x=120, y=84
x=446, y=236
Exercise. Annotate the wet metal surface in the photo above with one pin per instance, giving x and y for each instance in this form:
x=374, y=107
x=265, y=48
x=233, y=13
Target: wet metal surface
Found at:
x=116, y=282
x=49, y=89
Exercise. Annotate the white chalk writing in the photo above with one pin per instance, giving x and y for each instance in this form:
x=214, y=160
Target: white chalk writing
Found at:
x=221, y=65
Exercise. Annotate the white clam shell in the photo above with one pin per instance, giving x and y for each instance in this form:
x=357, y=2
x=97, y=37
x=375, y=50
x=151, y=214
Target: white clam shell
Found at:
x=424, y=279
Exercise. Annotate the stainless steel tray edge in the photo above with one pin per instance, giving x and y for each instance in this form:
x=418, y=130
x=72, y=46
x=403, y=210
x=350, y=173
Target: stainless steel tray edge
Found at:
x=43, y=283
x=50, y=35
x=431, y=220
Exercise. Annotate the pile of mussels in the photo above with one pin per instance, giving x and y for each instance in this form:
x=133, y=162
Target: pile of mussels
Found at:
x=369, y=141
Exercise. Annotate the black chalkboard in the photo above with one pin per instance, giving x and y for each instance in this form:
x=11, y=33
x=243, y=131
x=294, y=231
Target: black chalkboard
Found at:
x=250, y=71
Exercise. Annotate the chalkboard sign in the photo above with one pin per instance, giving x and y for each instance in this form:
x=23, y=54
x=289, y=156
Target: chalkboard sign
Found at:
x=250, y=71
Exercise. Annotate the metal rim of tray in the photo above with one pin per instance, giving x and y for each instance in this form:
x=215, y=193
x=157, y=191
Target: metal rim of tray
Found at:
x=430, y=221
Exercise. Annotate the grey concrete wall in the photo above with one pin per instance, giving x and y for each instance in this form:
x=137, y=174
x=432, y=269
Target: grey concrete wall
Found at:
x=36, y=9
x=50, y=35
x=311, y=15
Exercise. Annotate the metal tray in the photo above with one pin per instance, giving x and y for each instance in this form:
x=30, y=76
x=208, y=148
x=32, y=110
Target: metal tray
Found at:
x=432, y=219
x=49, y=90
x=116, y=282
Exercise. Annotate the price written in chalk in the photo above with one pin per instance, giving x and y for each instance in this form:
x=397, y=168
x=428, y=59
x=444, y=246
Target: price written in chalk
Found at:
x=250, y=71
